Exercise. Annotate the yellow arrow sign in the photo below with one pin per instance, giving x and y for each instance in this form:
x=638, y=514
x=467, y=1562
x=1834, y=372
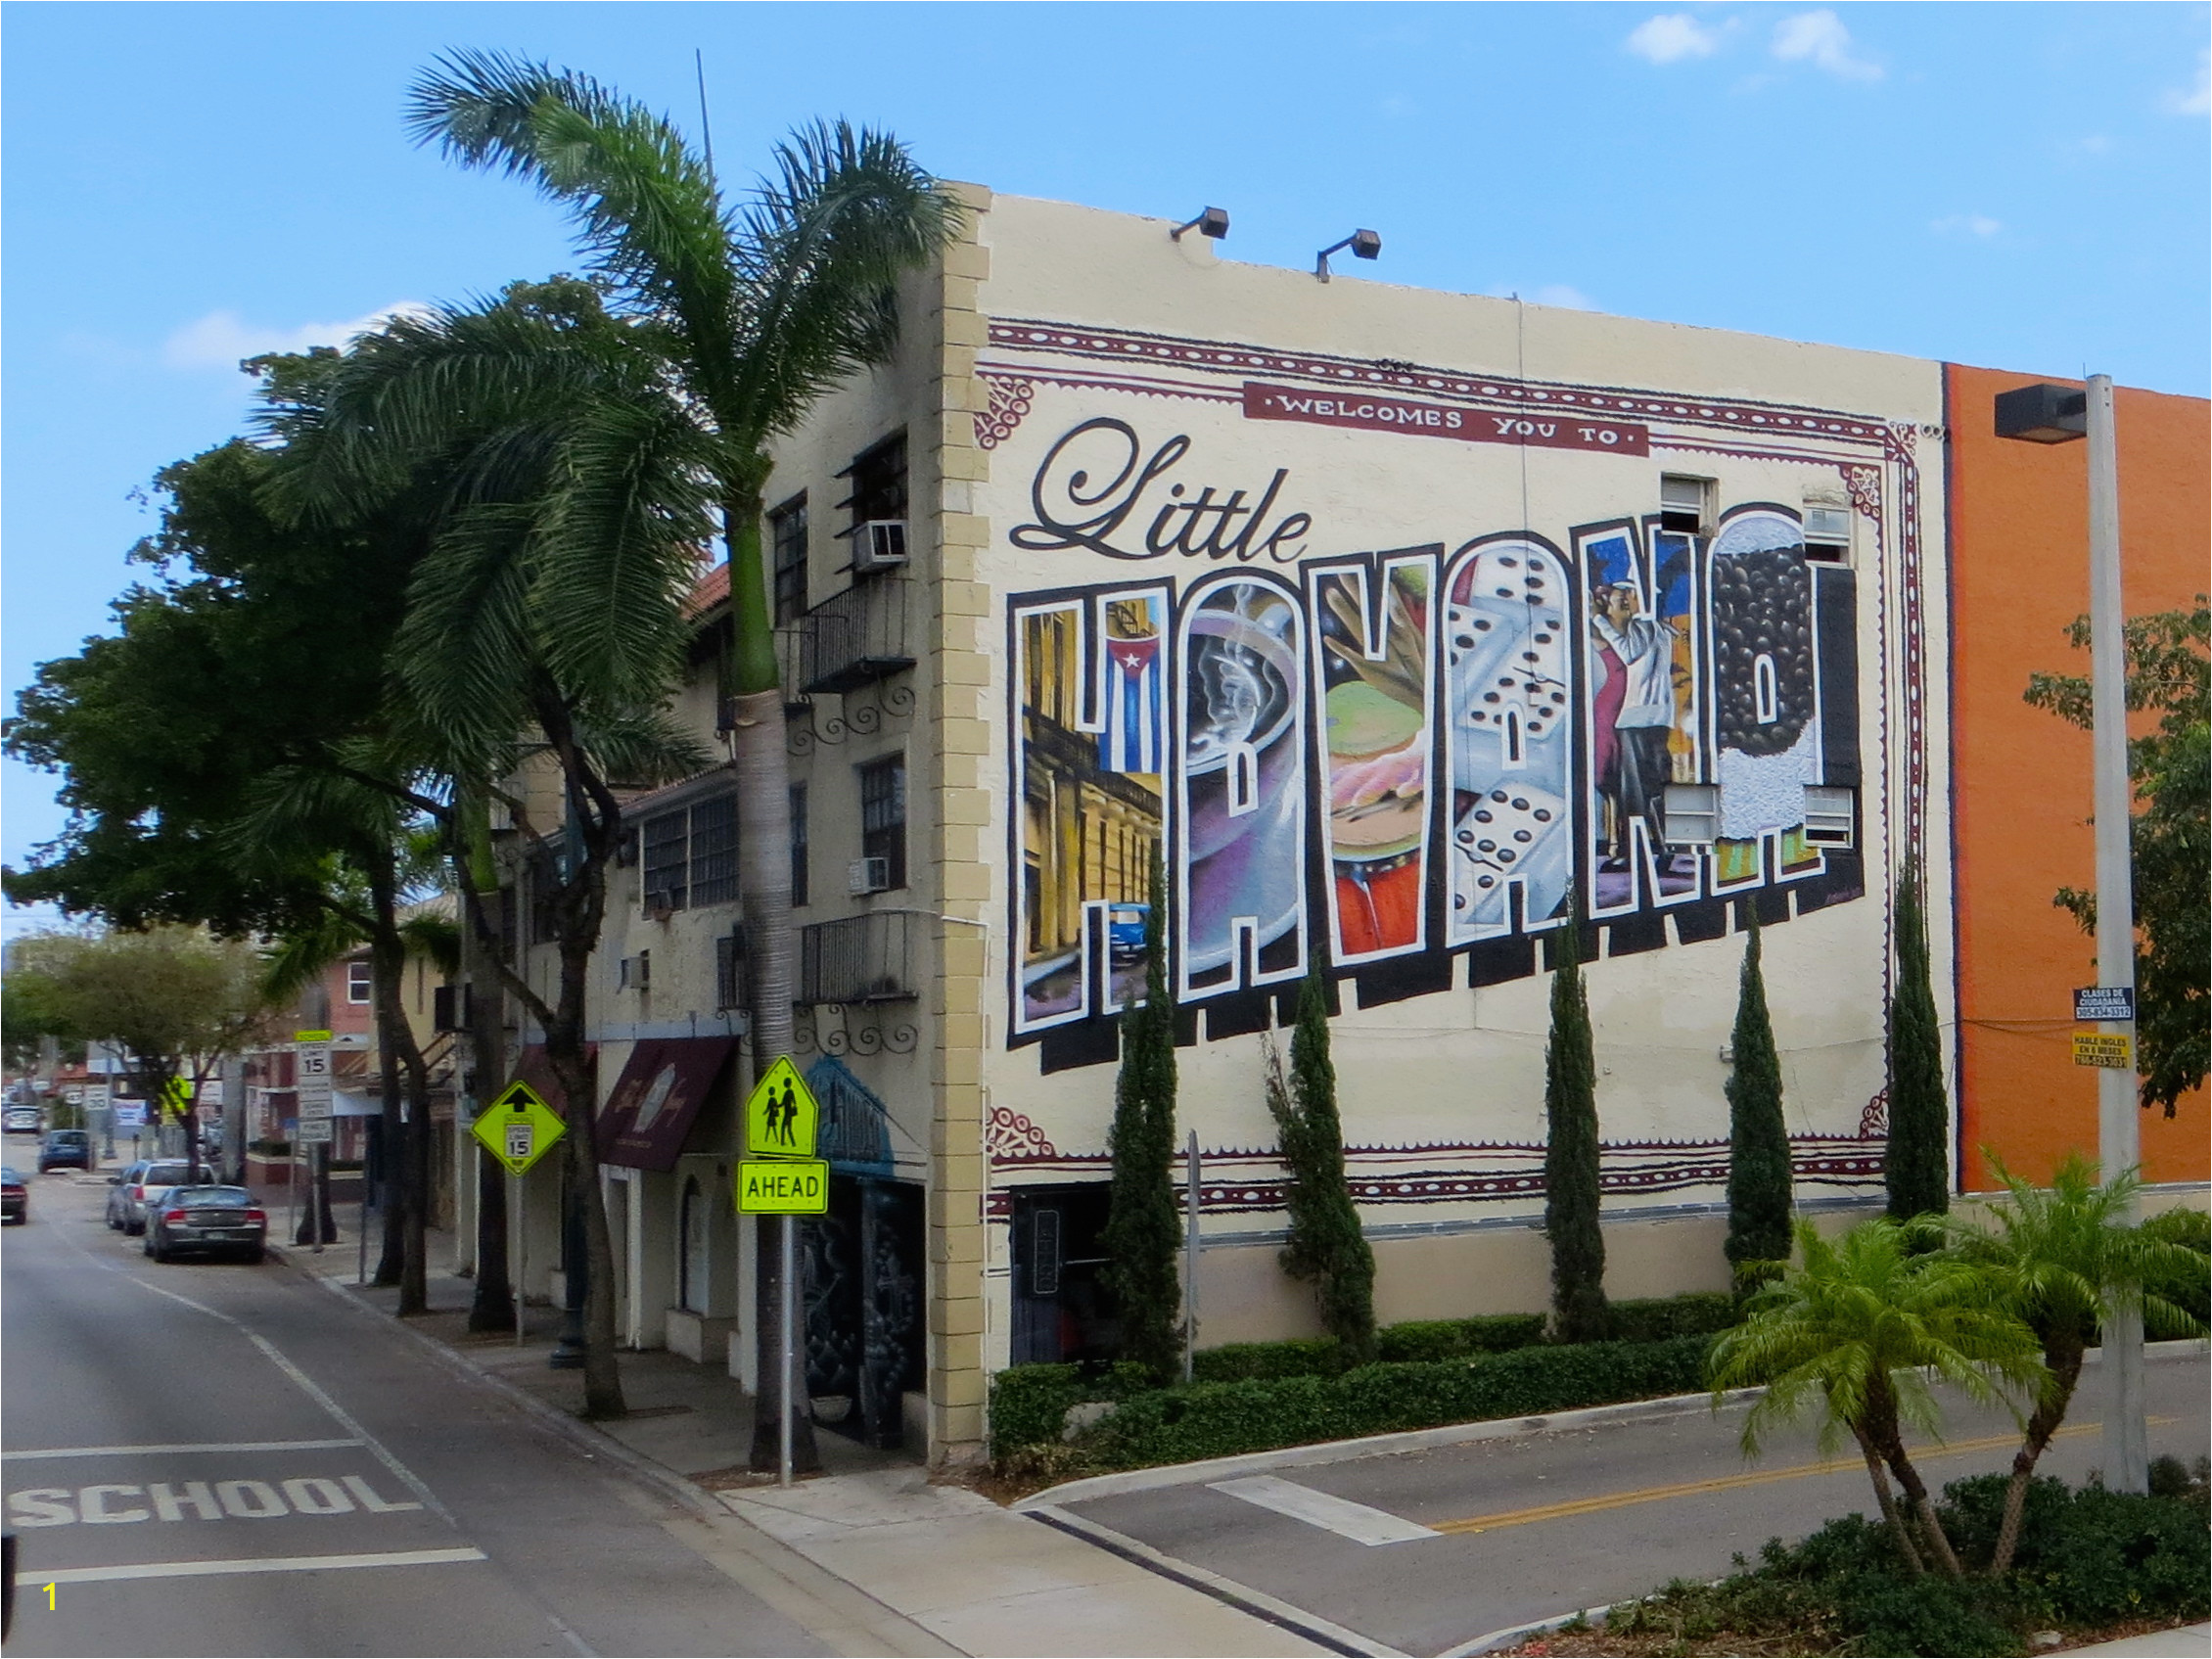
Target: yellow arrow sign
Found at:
x=2107, y=1049
x=518, y=1129
x=783, y=1186
x=781, y=1117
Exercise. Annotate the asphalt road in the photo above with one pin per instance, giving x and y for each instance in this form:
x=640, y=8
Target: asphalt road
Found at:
x=215, y=1458
x=1423, y=1552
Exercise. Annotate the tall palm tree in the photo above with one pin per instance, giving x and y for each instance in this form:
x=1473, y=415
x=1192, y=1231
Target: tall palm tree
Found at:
x=1849, y=1331
x=759, y=309
x=2067, y=1260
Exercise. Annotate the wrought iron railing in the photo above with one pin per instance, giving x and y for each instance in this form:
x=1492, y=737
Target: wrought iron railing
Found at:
x=858, y=959
x=859, y=637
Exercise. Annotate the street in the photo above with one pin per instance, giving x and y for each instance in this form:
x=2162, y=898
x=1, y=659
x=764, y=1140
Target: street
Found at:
x=1422, y=1552
x=216, y=1458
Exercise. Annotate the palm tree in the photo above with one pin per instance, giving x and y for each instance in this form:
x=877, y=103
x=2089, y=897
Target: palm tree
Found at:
x=2067, y=1262
x=757, y=312
x=546, y=460
x=1850, y=1330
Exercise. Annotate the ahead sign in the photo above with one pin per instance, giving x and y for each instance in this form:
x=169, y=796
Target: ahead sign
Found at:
x=785, y=1186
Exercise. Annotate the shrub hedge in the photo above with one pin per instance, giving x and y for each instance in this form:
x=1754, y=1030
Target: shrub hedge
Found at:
x=1214, y=1419
x=2193, y=1228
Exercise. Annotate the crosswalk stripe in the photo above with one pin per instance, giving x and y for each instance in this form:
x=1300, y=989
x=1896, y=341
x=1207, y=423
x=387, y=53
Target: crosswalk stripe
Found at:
x=267, y=1564
x=171, y=1450
x=1340, y=1515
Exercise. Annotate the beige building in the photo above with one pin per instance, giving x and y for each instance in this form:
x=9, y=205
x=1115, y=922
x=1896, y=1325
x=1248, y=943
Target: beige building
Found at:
x=1404, y=626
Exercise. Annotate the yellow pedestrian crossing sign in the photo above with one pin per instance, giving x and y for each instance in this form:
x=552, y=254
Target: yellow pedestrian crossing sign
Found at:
x=780, y=1116
x=783, y=1186
x=518, y=1129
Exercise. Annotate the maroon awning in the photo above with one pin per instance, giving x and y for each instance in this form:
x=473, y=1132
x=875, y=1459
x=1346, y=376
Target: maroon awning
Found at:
x=663, y=1085
x=536, y=1070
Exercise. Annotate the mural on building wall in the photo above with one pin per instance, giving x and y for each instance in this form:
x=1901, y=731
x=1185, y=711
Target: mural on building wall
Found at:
x=1092, y=673
x=1396, y=757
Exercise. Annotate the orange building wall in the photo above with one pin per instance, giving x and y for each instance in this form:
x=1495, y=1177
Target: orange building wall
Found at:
x=2020, y=777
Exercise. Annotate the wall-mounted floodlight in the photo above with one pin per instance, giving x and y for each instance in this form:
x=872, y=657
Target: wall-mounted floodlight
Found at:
x=1213, y=222
x=2043, y=413
x=1364, y=245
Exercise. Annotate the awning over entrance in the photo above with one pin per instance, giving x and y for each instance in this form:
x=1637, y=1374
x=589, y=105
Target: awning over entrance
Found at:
x=663, y=1085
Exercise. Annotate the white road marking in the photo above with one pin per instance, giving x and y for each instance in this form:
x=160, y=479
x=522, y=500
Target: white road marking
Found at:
x=1339, y=1515
x=271, y=1564
x=171, y=1450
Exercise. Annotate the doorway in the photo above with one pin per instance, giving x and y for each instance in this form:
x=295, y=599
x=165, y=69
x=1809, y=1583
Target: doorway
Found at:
x=691, y=1245
x=1063, y=1309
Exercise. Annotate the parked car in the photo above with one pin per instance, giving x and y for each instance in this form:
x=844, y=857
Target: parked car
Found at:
x=118, y=1188
x=64, y=1149
x=222, y=1220
x=1124, y=931
x=156, y=1177
x=14, y=1198
x=18, y=1118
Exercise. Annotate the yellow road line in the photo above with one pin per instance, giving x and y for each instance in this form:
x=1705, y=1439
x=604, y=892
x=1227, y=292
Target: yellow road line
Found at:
x=1724, y=1482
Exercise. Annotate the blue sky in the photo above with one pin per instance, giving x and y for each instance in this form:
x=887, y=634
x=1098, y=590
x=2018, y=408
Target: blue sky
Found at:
x=2020, y=186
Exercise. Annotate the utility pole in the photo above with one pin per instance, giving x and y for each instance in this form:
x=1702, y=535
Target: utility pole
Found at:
x=2119, y=1136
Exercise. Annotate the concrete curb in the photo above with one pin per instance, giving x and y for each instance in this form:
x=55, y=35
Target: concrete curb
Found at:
x=1125, y=1481
x=1512, y=1635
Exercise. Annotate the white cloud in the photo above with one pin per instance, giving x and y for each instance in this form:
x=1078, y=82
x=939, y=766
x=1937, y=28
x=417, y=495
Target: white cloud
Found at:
x=1672, y=36
x=2197, y=100
x=1821, y=38
x=222, y=339
x=1965, y=224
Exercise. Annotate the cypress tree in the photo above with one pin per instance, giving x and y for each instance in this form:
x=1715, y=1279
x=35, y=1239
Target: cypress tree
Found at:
x=1579, y=1312
x=1325, y=1244
x=1917, y=1166
x=1759, y=1195
x=1143, y=1231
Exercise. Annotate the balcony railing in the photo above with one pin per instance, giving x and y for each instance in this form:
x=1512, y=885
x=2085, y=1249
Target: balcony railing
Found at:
x=859, y=959
x=855, y=638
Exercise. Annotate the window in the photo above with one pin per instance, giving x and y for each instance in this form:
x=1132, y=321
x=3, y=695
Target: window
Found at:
x=635, y=973
x=690, y=856
x=714, y=851
x=787, y=542
x=1830, y=815
x=360, y=980
x=883, y=816
x=797, y=843
x=729, y=963
x=545, y=875
x=1828, y=533
x=1685, y=504
x=879, y=483
x=1693, y=813
x=665, y=886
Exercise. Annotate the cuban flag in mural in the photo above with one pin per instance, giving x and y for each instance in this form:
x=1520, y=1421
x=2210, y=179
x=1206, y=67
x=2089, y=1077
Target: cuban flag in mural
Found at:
x=1131, y=740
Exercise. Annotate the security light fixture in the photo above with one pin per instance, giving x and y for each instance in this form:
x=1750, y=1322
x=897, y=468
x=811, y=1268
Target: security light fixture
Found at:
x=1213, y=222
x=2043, y=413
x=1364, y=245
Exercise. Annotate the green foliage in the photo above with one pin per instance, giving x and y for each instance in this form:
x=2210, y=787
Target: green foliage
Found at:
x=1143, y=1231
x=2171, y=845
x=1029, y=1404
x=1759, y=1179
x=2186, y=1286
x=1457, y=1339
x=1326, y=1244
x=1571, y=1154
x=1177, y=1425
x=1660, y=1318
x=1266, y=1362
x=2088, y=1558
x=1917, y=1165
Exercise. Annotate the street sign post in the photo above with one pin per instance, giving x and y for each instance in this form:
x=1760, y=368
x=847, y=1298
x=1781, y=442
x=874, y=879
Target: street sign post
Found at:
x=317, y=1131
x=2111, y=1051
x=783, y=1178
x=311, y=1081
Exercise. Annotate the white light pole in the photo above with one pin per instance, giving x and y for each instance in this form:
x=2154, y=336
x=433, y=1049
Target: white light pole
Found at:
x=2057, y=414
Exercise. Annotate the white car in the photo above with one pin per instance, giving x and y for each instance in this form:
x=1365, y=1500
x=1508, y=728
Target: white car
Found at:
x=17, y=1118
x=143, y=1195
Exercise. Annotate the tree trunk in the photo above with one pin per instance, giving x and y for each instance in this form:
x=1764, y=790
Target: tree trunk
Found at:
x=764, y=842
x=492, y=1307
x=602, y=1374
x=1897, y=1527
x=391, y=1172
x=2063, y=1355
x=409, y=1151
x=1923, y=1507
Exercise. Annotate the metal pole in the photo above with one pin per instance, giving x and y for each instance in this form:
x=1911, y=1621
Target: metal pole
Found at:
x=790, y=1231
x=292, y=1190
x=1191, y=1264
x=2127, y=1444
x=315, y=1195
x=361, y=1243
x=522, y=1251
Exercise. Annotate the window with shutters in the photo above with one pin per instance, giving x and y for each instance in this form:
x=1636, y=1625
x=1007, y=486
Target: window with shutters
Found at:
x=667, y=860
x=714, y=851
x=1685, y=503
x=797, y=843
x=787, y=544
x=883, y=816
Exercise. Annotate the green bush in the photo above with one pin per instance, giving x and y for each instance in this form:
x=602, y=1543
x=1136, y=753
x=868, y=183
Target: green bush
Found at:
x=1698, y=1314
x=1248, y=1362
x=1029, y=1404
x=1177, y=1425
x=2193, y=1228
x=1458, y=1339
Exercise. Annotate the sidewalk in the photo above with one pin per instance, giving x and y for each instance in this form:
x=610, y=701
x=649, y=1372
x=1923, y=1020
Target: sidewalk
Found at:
x=2190, y=1641
x=984, y=1580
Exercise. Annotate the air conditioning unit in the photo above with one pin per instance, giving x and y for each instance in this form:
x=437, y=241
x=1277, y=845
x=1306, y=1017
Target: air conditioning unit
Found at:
x=637, y=970
x=867, y=875
x=879, y=544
